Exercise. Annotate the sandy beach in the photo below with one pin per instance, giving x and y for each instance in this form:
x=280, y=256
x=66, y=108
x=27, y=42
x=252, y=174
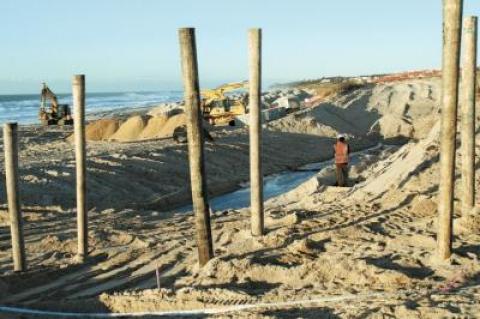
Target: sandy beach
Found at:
x=364, y=251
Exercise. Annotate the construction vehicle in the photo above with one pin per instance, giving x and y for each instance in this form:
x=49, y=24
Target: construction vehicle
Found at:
x=219, y=109
x=53, y=113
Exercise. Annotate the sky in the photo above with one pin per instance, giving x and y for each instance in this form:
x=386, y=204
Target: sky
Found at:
x=132, y=45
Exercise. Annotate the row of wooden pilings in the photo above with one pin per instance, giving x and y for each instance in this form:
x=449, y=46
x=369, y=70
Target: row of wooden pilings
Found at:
x=450, y=91
x=451, y=96
x=195, y=151
x=10, y=140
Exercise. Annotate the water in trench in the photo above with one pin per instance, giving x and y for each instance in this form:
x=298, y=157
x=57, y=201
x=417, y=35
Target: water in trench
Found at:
x=276, y=184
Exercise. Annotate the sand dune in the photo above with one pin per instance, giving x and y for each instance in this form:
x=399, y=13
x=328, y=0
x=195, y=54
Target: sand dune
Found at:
x=396, y=112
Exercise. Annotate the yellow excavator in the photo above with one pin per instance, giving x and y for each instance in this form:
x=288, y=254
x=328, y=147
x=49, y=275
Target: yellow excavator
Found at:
x=219, y=109
x=53, y=113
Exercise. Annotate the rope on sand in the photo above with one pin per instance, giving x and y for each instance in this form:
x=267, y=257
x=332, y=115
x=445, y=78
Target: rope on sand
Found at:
x=212, y=311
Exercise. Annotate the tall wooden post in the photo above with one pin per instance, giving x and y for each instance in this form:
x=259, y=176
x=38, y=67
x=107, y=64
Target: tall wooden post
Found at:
x=469, y=80
x=195, y=137
x=13, y=199
x=256, y=177
x=78, y=92
x=452, y=15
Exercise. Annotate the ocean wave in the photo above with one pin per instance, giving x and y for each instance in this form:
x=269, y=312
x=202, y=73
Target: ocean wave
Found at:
x=27, y=103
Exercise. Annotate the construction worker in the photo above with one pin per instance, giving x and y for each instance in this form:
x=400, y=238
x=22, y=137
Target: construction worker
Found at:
x=342, y=150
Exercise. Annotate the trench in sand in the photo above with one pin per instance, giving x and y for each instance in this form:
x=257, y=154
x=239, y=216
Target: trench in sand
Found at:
x=277, y=184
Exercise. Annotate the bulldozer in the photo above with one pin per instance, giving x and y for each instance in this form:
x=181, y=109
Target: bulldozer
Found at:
x=53, y=113
x=219, y=109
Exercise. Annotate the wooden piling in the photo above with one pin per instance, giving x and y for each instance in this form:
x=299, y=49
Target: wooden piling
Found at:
x=195, y=137
x=452, y=15
x=78, y=93
x=256, y=177
x=469, y=77
x=13, y=198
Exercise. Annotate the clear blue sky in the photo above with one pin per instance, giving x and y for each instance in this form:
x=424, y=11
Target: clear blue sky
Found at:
x=132, y=44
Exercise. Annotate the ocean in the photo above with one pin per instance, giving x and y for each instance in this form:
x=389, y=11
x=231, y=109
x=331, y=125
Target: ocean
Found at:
x=23, y=109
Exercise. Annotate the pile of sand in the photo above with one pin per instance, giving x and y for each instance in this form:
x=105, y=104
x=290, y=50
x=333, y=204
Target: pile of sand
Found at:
x=135, y=128
x=130, y=130
x=172, y=123
x=304, y=123
x=138, y=128
x=162, y=126
x=154, y=126
x=101, y=129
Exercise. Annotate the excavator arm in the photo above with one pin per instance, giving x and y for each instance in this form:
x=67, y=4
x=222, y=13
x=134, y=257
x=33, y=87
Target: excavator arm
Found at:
x=219, y=92
x=47, y=94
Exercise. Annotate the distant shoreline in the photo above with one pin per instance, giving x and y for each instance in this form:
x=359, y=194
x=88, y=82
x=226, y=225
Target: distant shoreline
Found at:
x=24, y=109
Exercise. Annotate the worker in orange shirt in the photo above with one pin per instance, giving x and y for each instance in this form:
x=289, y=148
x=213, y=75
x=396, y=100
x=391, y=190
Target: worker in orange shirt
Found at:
x=342, y=150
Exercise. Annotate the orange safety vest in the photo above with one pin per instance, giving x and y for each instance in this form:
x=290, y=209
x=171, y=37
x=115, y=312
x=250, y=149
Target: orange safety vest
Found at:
x=341, y=153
